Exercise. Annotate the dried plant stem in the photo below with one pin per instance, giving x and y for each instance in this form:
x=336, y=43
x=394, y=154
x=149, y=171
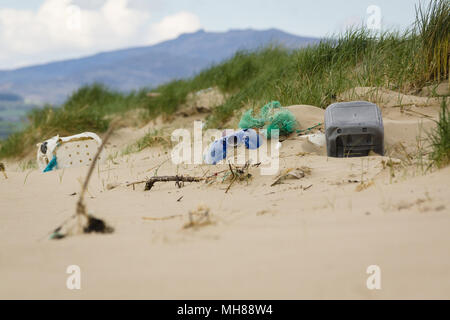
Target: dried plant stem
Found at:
x=81, y=209
x=162, y=218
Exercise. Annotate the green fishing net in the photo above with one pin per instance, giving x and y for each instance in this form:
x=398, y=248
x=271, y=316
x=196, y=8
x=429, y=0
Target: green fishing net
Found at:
x=272, y=116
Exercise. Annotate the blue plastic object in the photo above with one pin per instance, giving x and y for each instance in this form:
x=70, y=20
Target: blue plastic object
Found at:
x=218, y=149
x=217, y=152
x=252, y=139
x=51, y=165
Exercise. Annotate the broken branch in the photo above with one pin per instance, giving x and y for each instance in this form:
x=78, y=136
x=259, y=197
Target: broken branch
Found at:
x=177, y=179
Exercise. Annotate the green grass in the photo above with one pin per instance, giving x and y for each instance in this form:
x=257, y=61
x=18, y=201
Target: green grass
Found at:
x=152, y=138
x=403, y=61
x=440, y=138
x=432, y=27
x=88, y=109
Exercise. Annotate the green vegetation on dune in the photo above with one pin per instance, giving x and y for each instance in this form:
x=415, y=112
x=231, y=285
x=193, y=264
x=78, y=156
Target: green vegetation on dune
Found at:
x=12, y=110
x=84, y=110
x=432, y=27
x=440, y=138
x=314, y=75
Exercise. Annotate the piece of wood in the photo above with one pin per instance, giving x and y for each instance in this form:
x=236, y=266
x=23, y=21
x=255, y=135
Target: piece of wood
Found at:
x=177, y=179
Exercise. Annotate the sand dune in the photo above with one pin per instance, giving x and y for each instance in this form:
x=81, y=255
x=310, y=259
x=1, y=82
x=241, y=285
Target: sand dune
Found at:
x=312, y=237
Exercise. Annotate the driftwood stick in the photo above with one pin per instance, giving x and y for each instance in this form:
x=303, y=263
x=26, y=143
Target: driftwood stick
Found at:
x=81, y=209
x=129, y=184
x=150, y=182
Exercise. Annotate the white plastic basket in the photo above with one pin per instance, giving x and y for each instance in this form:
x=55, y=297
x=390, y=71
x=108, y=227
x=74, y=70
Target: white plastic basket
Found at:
x=66, y=152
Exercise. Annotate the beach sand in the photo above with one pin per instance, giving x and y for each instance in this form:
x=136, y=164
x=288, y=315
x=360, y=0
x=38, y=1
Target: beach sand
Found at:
x=311, y=238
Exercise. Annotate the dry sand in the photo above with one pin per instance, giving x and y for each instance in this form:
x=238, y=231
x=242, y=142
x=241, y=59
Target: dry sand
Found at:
x=307, y=238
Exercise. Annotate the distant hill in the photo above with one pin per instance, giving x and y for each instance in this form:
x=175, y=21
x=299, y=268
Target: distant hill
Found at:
x=134, y=68
x=10, y=97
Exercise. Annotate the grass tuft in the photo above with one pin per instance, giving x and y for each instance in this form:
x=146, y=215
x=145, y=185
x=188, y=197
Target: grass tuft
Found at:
x=432, y=28
x=150, y=139
x=440, y=138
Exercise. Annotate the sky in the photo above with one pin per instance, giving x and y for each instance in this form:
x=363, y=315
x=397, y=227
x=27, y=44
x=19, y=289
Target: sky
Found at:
x=40, y=31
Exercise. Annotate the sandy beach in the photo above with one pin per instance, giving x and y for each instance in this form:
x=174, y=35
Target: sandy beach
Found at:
x=307, y=238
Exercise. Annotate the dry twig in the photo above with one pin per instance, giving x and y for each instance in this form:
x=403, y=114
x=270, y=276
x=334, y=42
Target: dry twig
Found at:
x=239, y=173
x=178, y=180
x=161, y=218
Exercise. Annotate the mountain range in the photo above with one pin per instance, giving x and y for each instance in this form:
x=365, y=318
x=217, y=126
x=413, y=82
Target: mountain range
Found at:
x=133, y=68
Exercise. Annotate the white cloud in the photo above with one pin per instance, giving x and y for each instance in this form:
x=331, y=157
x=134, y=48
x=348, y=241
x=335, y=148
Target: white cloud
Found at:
x=60, y=29
x=174, y=25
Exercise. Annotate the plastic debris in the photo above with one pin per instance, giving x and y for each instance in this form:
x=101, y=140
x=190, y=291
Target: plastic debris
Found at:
x=354, y=129
x=271, y=117
x=300, y=132
x=51, y=165
x=65, y=152
x=82, y=221
x=217, y=150
x=317, y=139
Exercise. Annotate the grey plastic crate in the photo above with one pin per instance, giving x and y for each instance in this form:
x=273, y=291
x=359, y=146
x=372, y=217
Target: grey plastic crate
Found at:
x=353, y=129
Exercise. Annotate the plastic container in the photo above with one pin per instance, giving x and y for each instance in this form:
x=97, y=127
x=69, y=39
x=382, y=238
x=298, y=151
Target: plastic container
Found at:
x=353, y=129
